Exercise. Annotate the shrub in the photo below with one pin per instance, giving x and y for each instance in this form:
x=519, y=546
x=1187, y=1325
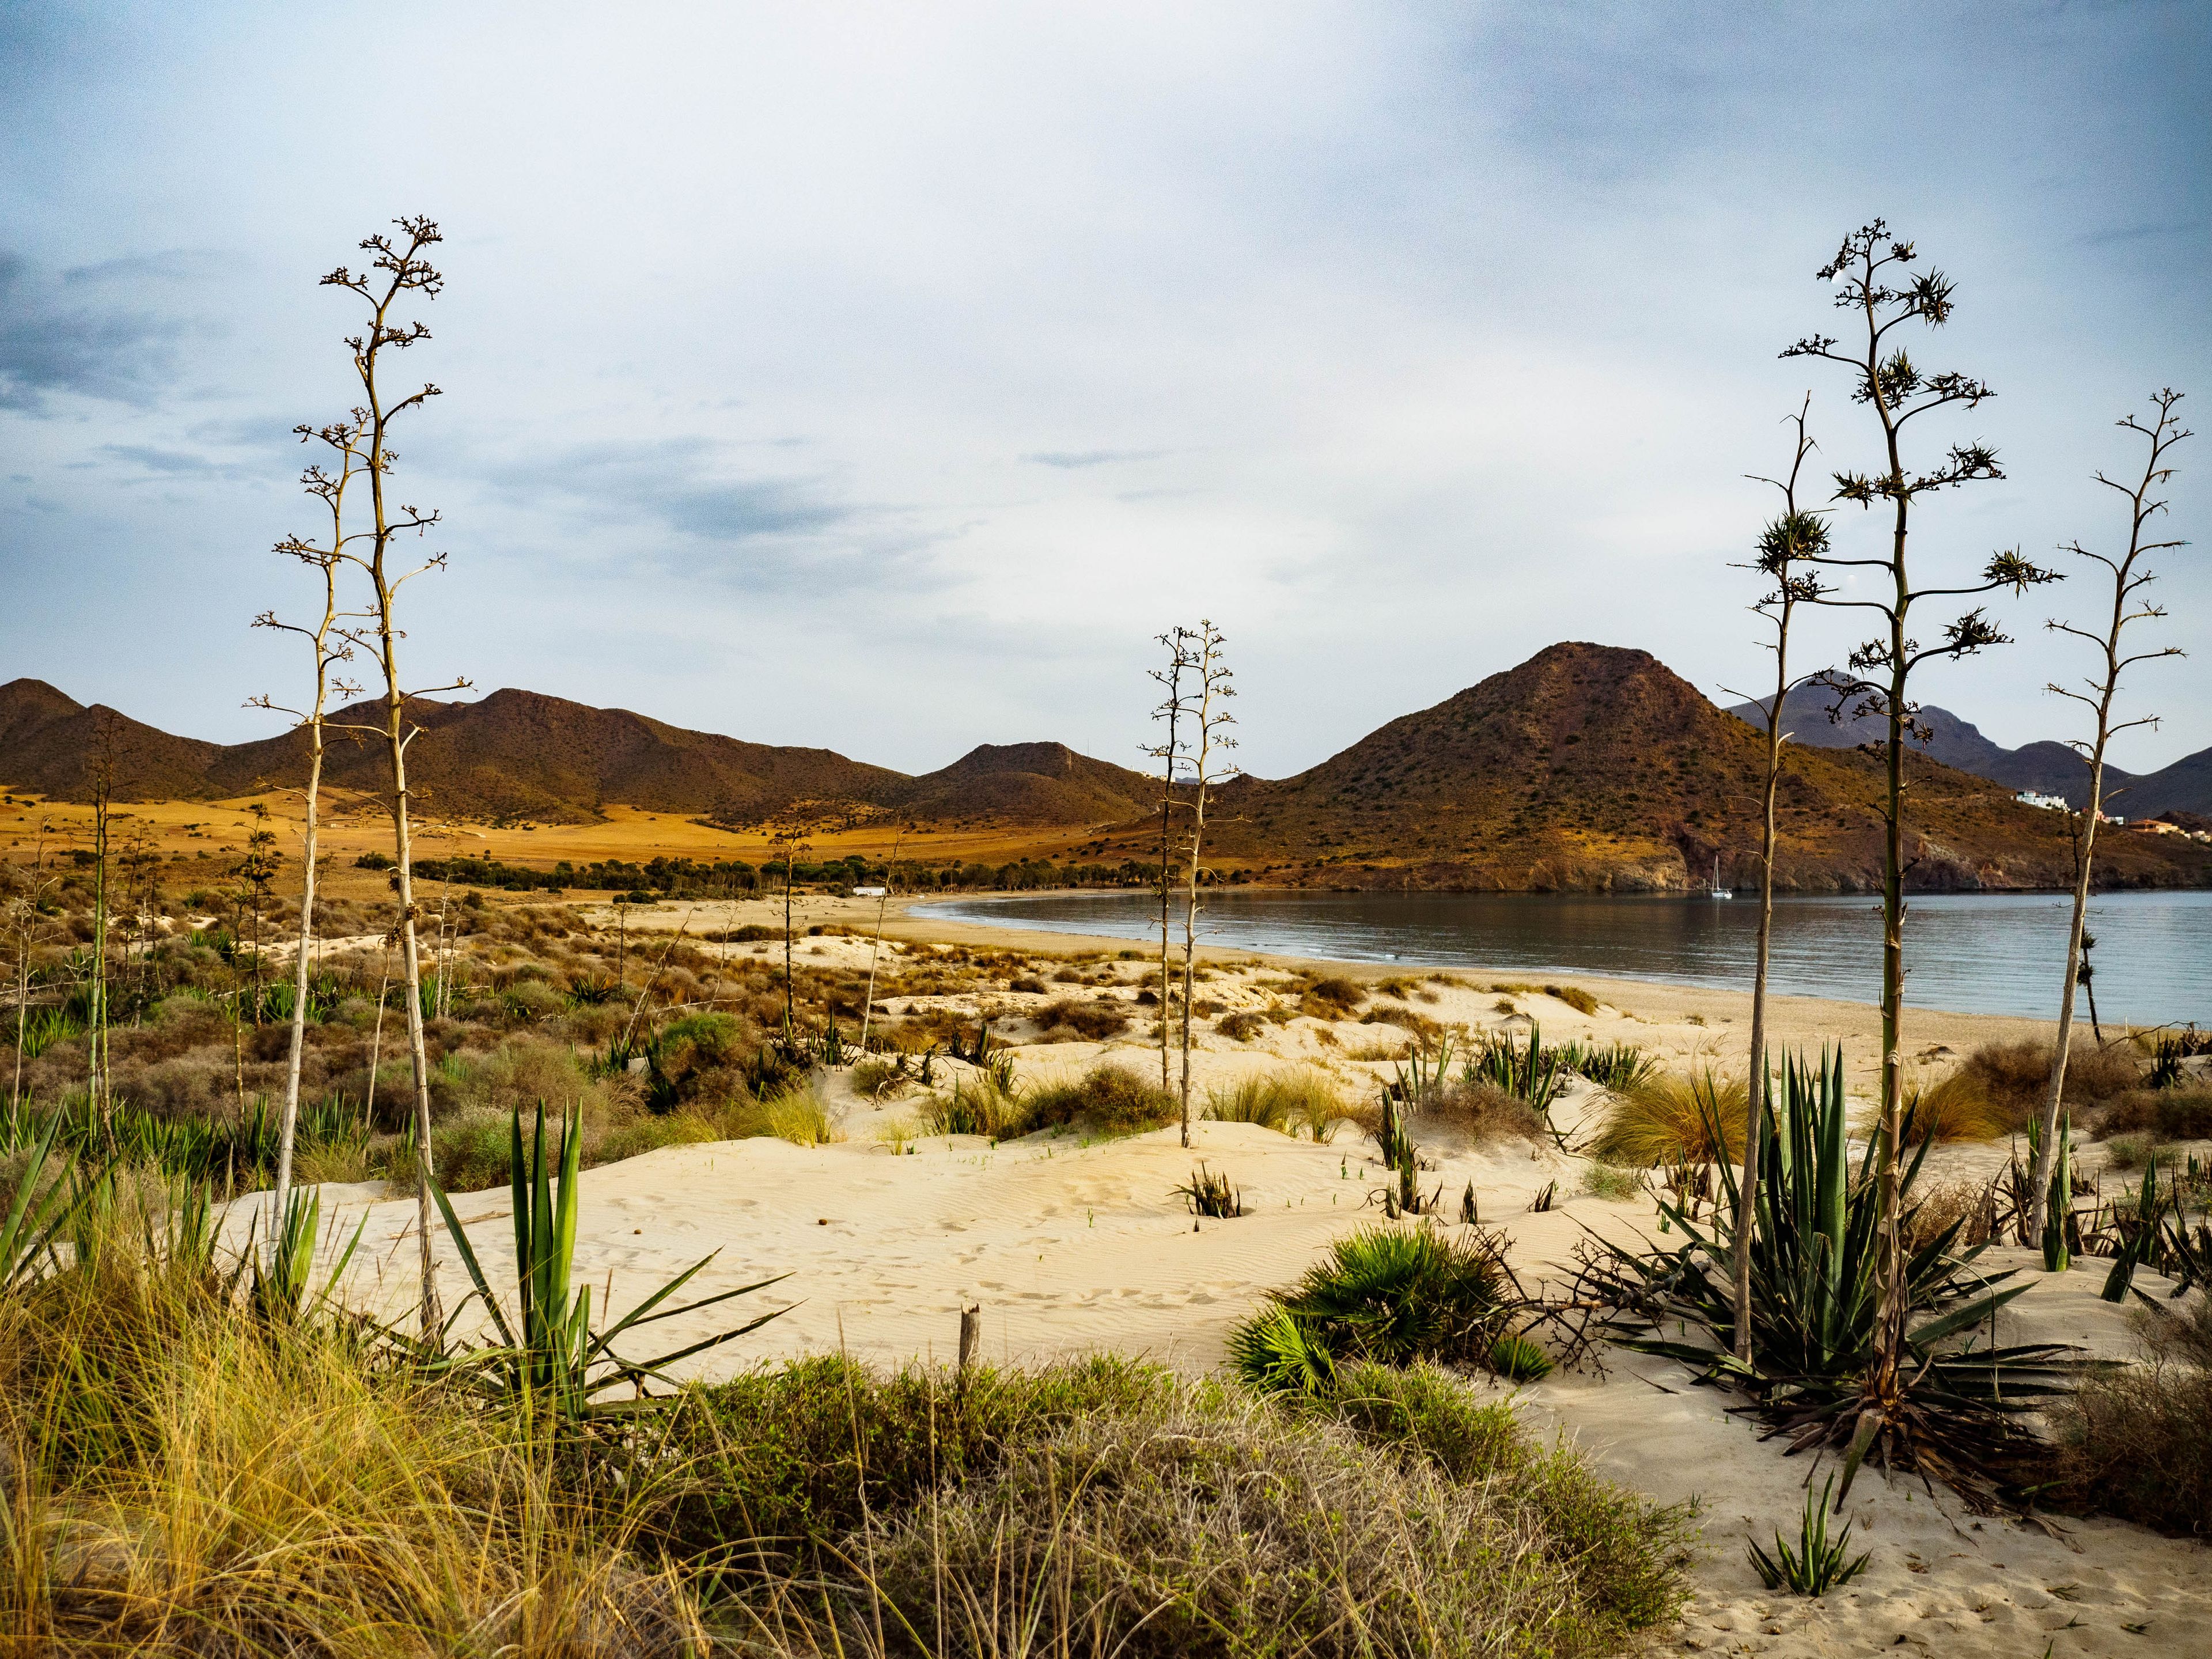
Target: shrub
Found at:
x=1481, y=1112
x=881, y=1079
x=2014, y=1076
x=1335, y=997
x=1241, y=1027
x=1391, y=1294
x=1674, y=1118
x=1295, y=1098
x=1574, y=996
x=279, y=1486
x=1105, y=1507
x=1957, y=1109
x=1610, y=1180
x=2137, y=1442
x=1071, y=1021
x=1108, y=1098
x=797, y=1113
x=2184, y=1114
x=976, y=1106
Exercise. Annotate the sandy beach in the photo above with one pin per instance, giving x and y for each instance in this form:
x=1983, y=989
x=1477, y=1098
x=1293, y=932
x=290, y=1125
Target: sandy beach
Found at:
x=1072, y=1245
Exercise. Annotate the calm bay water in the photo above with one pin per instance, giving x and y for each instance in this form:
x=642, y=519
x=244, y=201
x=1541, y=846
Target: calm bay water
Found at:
x=1999, y=953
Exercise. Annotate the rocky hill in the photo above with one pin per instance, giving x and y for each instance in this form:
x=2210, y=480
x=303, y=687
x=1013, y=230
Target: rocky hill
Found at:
x=1589, y=766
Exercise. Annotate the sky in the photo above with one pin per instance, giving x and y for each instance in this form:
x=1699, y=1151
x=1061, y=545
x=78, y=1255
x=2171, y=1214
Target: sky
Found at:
x=886, y=379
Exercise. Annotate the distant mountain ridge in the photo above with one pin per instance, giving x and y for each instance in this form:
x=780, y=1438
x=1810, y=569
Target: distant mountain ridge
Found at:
x=517, y=754
x=2046, y=767
x=1588, y=768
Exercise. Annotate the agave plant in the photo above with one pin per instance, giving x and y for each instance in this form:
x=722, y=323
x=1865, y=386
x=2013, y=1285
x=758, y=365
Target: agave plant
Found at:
x=1815, y=1300
x=2140, y=1236
x=1387, y=1294
x=1534, y=1072
x=549, y=1351
x=1818, y=1565
x=277, y=1290
x=48, y=1202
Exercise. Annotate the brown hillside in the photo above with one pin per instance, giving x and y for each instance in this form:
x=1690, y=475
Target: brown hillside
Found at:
x=521, y=754
x=1594, y=768
x=1030, y=783
x=52, y=744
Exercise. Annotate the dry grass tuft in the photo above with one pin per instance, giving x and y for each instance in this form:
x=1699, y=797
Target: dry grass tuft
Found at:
x=183, y=1478
x=1675, y=1118
x=1298, y=1099
x=1959, y=1108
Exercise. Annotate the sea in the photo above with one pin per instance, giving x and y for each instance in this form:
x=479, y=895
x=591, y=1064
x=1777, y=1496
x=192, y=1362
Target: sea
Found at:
x=1998, y=953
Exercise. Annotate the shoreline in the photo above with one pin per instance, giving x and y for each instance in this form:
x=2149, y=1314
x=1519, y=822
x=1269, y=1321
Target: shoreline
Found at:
x=1711, y=1019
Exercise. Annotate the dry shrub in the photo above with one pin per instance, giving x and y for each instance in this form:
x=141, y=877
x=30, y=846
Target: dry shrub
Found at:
x=1334, y=998
x=1200, y=1524
x=1478, y=1112
x=1957, y=1109
x=797, y=1113
x=1574, y=996
x=2182, y=1113
x=2136, y=1442
x=1672, y=1117
x=1071, y=1021
x=1241, y=1027
x=1406, y=1019
x=2014, y=1076
x=1966, y=1203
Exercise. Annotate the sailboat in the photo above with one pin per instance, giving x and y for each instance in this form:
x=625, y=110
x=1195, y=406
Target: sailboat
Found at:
x=1717, y=890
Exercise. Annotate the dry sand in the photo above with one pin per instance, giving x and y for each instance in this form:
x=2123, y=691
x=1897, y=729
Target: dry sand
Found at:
x=1071, y=1247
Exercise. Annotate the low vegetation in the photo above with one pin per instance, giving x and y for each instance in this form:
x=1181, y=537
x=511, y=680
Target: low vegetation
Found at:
x=1674, y=1117
x=2136, y=1441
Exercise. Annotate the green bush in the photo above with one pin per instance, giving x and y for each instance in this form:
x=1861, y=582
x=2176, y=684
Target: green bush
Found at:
x=1107, y=1099
x=1102, y=1505
x=1387, y=1294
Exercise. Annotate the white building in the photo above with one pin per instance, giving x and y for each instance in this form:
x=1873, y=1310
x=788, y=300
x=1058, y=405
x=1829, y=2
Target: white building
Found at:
x=2049, y=803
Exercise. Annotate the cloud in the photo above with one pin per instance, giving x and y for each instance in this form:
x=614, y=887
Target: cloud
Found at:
x=1072, y=459
x=88, y=332
x=177, y=463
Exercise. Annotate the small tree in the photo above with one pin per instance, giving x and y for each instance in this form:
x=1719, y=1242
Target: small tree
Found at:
x=397, y=271
x=1784, y=546
x=107, y=747
x=27, y=929
x=2129, y=579
x=791, y=839
x=327, y=648
x=1209, y=719
x=1864, y=272
x=1170, y=755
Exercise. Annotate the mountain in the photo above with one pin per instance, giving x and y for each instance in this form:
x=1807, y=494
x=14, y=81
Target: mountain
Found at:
x=1589, y=766
x=53, y=745
x=1027, y=783
x=523, y=755
x=1585, y=768
x=2046, y=767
